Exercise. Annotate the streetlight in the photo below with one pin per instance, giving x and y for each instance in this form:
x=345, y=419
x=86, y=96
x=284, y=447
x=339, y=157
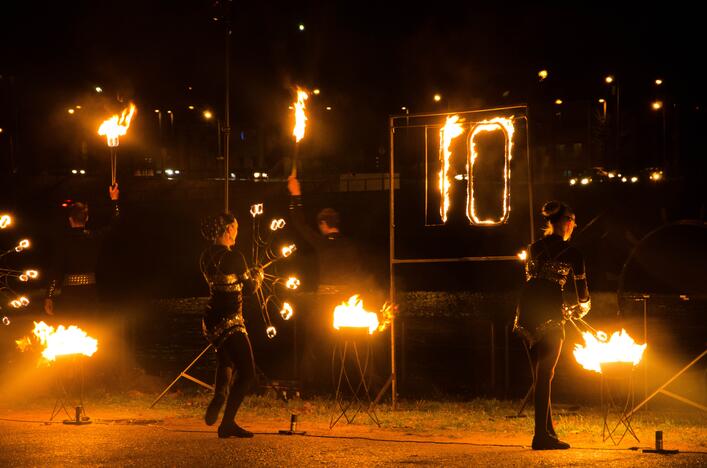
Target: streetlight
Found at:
x=610, y=80
x=602, y=101
x=437, y=97
x=316, y=92
x=558, y=102
x=208, y=115
x=658, y=82
x=542, y=75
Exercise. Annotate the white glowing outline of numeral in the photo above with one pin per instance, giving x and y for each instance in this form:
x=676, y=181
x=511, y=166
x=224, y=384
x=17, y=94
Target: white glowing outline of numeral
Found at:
x=495, y=124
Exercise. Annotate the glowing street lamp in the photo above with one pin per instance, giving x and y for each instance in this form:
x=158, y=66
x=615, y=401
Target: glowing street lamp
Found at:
x=542, y=75
x=658, y=82
x=558, y=102
x=437, y=97
x=657, y=105
x=609, y=79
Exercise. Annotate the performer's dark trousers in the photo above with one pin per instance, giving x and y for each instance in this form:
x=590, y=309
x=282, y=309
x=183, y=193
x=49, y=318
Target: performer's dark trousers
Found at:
x=544, y=355
x=235, y=373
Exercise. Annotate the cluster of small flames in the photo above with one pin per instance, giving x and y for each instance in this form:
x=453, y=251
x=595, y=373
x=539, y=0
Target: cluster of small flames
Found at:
x=597, y=351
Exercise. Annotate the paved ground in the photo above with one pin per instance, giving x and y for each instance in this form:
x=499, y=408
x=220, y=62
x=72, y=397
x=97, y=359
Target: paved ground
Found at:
x=187, y=442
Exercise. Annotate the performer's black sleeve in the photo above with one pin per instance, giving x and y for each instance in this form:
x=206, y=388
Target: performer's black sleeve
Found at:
x=300, y=225
x=233, y=262
x=580, y=276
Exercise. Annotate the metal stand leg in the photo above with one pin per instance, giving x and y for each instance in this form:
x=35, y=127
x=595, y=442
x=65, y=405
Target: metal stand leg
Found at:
x=608, y=404
x=186, y=376
x=359, y=398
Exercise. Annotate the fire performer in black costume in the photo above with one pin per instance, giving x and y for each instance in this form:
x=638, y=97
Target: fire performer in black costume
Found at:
x=228, y=277
x=73, y=268
x=542, y=309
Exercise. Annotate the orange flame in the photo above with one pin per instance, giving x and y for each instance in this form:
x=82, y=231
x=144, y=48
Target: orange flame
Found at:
x=619, y=348
x=495, y=124
x=117, y=126
x=5, y=221
x=60, y=342
x=300, y=116
x=351, y=314
x=451, y=130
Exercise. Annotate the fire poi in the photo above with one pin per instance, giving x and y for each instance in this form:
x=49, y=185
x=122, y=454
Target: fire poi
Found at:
x=113, y=128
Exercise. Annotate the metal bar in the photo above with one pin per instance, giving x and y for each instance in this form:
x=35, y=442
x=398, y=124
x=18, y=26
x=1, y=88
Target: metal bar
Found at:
x=180, y=375
x=426, y=178
x=684, y=400
x=530, y=178
x=195, y=380
x=492, y=258
x=391, y=294
x=660, y=389
x=442, y=114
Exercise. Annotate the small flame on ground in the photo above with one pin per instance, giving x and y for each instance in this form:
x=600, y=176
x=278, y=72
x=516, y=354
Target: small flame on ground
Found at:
x=300, y=115
x=60, y=342
x=619, y=348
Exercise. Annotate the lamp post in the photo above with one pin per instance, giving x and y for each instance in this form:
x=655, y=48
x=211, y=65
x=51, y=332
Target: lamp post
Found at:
x=658, y=106
x=610, y=80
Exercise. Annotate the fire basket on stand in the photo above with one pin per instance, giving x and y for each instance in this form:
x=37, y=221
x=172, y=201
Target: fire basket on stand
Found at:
x=63, y=341
x=352, y=354
x=614, y=358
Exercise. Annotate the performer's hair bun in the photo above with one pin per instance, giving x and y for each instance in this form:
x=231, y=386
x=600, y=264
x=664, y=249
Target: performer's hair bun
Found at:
x=213, y=227
x=554, y=210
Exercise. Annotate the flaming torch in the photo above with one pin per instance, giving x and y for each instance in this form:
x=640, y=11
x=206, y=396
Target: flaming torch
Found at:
x=113, y=128
x=300, y=124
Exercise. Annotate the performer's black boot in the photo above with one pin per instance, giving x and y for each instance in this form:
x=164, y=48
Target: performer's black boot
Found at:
x=546, y=442
x=232, y=429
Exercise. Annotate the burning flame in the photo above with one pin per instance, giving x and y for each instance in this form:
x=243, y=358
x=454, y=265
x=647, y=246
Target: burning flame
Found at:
x=495, y=124
x=21, y=301
x=60, y=342
x=292, y=283
x=286, y=311
x=300, y=116
x=256, y=210
x=619, y=348
x=271, y=332
x=117, y=126
x=351, y=314
x=287, y=250
x=24, y=244
x=451, y=130
x=276, y=224
x=5, y=221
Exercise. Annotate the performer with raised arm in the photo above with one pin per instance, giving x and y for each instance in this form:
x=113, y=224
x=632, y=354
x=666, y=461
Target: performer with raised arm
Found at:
x=228, y=276
x=542, y=310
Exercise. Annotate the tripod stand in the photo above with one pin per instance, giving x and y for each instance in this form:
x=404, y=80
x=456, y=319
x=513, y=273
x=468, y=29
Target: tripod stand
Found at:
x=279, y=391
x=79, y=418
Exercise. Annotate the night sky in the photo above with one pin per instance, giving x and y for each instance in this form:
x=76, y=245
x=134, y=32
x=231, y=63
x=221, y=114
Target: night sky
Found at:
x=368, y=60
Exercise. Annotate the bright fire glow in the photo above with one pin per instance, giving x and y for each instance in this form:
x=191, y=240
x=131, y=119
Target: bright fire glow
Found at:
x=21, y=301
x=287, y=250
x=300, y=116
x=276, y=224
x=451, y=130
x=117, y=125
x=292, y=283
x=286, y=311
x=619, y=348
x=22, y=245
x=506, y=126
x=351, y=314
x=5, y=221
x=271, y=332
x=523, y=255
x=61, y=342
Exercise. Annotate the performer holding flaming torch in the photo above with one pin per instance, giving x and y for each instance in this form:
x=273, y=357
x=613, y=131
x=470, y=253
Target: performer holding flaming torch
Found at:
x=228, y=276
x=541, y=311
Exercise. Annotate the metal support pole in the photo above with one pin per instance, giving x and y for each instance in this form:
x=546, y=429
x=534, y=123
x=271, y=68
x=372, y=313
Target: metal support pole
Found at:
x=391, y=294
x=227, y=109
x=186, y=376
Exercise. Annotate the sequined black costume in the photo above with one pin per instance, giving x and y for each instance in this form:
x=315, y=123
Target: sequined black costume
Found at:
x=554, y=270
x=551, y=263
x=228, y=277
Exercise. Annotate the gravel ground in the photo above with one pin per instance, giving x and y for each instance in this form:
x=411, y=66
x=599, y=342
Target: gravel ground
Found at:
x=188, y=442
